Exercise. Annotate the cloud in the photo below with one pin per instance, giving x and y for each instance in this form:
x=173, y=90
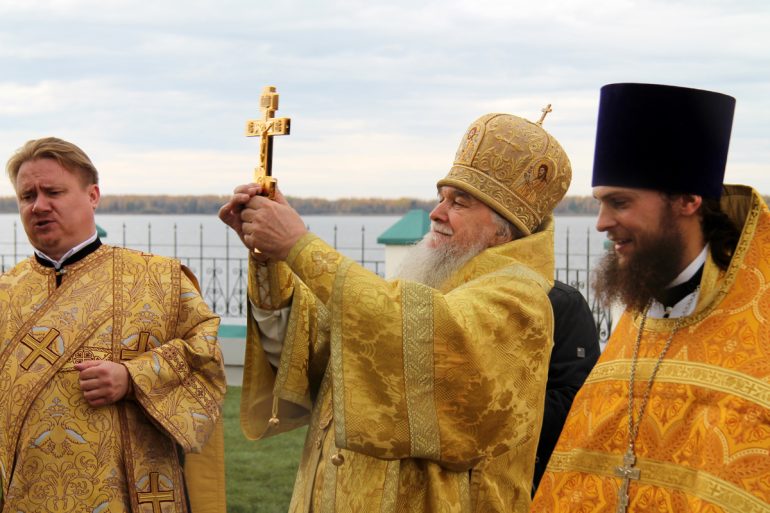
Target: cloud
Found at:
x=379, y=92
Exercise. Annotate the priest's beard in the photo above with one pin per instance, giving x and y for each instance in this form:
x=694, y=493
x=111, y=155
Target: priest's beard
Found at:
x=432, y=266
x=647, y=271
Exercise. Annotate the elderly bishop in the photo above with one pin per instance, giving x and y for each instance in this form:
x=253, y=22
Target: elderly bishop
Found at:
x=425, y=393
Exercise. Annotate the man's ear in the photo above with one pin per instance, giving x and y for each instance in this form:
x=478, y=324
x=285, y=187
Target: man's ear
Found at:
x=500, y=238
x=689, y=204
x=94, y=194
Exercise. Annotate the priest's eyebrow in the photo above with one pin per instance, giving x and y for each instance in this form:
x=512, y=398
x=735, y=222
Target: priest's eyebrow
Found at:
x=612, y=194
x=454, y=194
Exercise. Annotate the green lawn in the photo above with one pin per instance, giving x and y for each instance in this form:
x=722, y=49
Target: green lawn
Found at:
x=260, y=474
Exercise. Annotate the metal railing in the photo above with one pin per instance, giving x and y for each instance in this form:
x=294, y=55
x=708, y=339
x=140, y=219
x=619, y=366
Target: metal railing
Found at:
x=222, y=269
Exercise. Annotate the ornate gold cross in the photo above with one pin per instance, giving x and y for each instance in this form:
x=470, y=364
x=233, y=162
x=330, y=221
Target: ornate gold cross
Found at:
x=39, y=348
x=130, y=354
x=627, y=472
x=265, y=129
x=155, y=496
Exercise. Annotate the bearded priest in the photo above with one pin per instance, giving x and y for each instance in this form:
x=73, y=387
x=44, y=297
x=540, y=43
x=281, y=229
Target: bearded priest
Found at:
x=424, y=393
x=675, y=416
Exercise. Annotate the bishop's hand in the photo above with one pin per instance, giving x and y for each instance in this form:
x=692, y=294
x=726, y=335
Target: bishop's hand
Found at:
x=230, y=212
x=273, y=227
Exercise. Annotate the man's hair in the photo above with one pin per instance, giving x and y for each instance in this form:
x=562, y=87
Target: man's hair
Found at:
x=718, y=229
x=69, y=156
x=504, y=227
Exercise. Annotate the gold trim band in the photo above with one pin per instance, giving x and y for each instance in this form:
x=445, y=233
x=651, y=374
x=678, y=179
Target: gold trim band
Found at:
x=702, y=375
x=698, y=483
x=338, y=381
x=417, y=312
x=390, y=487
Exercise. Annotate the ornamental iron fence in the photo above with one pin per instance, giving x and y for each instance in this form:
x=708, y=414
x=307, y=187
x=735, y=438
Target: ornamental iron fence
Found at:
x=222, y=269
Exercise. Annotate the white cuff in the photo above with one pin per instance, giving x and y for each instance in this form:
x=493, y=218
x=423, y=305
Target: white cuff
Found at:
x=272, y=330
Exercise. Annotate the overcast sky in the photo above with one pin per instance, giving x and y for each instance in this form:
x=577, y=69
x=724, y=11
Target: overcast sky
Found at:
x=379, y=92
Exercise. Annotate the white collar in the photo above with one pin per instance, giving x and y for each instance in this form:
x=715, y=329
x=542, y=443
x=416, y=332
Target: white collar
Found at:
x=58, y=263
x=691, y=269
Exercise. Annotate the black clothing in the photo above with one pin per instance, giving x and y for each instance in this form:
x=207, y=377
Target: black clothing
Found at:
x=575, y=351
x=635, y=118
x=672, y=295
x=75, y=257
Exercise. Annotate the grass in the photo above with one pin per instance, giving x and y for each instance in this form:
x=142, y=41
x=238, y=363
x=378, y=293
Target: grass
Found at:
x=260, y=474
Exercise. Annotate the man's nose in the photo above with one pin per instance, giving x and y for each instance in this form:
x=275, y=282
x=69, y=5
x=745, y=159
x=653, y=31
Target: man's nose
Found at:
x=41, y=204
x=439, y=214
x=604, y=221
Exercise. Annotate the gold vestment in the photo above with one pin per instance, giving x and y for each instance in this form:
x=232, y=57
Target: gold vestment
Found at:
x=57, y=453
x=704, y=441
x=433, y=398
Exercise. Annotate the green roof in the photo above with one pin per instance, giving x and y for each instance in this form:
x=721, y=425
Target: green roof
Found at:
x=407, y=230
x=232, y=331
x=101, y=232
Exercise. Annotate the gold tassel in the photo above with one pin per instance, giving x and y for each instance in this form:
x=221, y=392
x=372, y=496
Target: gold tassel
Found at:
x=338, y=459
x=274, y=420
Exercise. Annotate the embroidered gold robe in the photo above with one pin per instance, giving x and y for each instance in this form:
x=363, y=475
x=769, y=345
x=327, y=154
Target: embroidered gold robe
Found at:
x=704, y=441
x=58, y=454
x=433, y=398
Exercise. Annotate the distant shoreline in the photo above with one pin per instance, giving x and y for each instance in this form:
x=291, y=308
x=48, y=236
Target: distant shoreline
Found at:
x=210, y=204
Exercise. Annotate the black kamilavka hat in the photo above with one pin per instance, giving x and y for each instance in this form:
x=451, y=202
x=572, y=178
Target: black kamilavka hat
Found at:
x=667, y=138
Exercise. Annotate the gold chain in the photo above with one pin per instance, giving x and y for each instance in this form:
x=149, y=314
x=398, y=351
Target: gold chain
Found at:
x=633, y=428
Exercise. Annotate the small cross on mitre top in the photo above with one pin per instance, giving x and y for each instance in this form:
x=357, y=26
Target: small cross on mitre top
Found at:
x=545, y=112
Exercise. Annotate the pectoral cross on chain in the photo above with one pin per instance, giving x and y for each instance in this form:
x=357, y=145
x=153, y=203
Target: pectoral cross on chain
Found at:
x=627, y=472
x=265, y=129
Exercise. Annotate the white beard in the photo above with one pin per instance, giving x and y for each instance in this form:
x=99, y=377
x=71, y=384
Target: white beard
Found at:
x=432, y=266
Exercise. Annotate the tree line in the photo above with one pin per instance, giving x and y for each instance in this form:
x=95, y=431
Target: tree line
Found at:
x=209, y=204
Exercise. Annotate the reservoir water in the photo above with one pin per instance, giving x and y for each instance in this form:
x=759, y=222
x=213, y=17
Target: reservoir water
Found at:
x=193, y=236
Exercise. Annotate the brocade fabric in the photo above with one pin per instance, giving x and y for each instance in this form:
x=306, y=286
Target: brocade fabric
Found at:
x=704, y=440
x=434, y=398
x=57, y=453
x=514, y=166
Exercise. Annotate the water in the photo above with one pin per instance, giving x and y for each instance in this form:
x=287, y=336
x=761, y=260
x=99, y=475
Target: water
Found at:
x=218, y=259
x=197, y=236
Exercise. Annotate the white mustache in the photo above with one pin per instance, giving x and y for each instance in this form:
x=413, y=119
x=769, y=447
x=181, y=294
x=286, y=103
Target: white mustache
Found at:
x=441, y=228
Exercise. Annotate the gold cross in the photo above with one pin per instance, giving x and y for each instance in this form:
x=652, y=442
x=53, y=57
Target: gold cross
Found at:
x=627, y=472
x=545, y=112
x=39, y=348
x=155, y=496
x=265, y=129
x=130, y=354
